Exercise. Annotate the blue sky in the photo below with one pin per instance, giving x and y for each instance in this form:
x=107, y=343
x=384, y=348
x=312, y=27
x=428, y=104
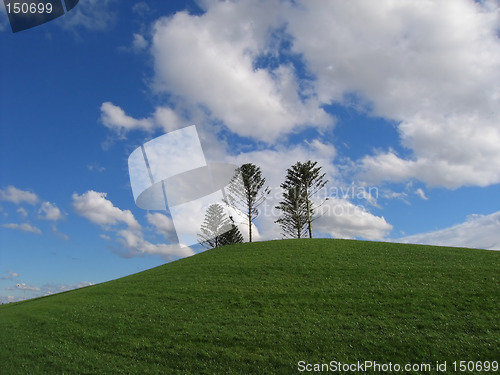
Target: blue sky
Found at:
x=397, y=101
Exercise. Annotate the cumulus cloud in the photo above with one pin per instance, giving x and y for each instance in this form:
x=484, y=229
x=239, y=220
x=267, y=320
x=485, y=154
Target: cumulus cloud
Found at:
x=25, y=227
x=421, y=194
x=340, y=218
x=22, y=211
x=134, y=243
x=162, y=224
x=114, y=118
x=209, y=61
x=478, y=231
x=431, y=66
x=99, y=210
x=17, y=196
x=49, y=211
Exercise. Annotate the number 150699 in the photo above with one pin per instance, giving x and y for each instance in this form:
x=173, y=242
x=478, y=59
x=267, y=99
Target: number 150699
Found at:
x=25, y=8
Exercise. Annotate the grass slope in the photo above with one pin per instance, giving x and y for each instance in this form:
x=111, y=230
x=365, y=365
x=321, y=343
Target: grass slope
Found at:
x=261, y=308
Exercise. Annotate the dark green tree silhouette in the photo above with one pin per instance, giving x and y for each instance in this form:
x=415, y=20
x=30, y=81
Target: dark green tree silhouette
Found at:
x=302, y=181
x=246, y=192
x=231, y=236
x=293, y=219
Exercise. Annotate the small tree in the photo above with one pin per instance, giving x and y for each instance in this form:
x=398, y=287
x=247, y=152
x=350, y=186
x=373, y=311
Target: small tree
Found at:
x=302, y=181
x=231, y=236
x=214, y=226
x=246, y=192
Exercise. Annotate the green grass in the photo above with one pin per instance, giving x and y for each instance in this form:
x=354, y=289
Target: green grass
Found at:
x=261, y=308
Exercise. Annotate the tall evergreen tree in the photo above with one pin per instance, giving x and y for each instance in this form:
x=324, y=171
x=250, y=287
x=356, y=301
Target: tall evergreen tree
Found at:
x=231, y=236
x=302, y=181
x=214, y=226
x=293, y=220
x=246, y=192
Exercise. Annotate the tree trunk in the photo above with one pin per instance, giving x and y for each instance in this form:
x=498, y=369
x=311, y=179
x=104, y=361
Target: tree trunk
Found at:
x=250, y=222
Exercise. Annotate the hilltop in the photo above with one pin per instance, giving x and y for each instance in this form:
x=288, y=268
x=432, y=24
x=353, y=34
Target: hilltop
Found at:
x=261, y=308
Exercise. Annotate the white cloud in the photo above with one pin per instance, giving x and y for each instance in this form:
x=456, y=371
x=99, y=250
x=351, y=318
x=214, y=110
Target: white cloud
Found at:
x=139, y=43
x=421, y=194
x=22, y=211
x=25, y=227
x=95, y=207
x=99, y=210
x=340, y=218
x=448, y=153
x=162, y=223
x=478, y=231
x=135, y=244
x=114, y=118
x=209, y=60
x=49, y=211
x=167, y=119
x=164, y=118
x=15, y=195
x=431, y=66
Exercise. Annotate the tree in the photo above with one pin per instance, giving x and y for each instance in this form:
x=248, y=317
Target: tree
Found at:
x=294, y=217
x=231, y=236
x=246, y=193
x=214, y=226
x=302, y=181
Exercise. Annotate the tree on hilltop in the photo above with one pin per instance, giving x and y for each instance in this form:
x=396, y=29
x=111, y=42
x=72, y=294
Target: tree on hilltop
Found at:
x=217, y=229
x=246, y=192
x=302, y=181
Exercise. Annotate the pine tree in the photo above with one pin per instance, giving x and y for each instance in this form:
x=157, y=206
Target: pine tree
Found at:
x=214, y=226
x=294, y=216
x=231, y=236
x=246, y=192
x=302, y=181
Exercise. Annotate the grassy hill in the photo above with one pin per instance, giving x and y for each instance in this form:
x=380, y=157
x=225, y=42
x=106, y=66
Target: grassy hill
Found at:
x=262, y=308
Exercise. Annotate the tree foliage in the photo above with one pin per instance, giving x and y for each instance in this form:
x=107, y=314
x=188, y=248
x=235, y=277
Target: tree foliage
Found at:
x=246, y=192
x=302, y=181
x=293, y=220
x=214, y=226
x=217, y=230
x=231, y=236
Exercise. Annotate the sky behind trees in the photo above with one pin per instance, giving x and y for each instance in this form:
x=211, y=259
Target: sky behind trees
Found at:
x=397, y=101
